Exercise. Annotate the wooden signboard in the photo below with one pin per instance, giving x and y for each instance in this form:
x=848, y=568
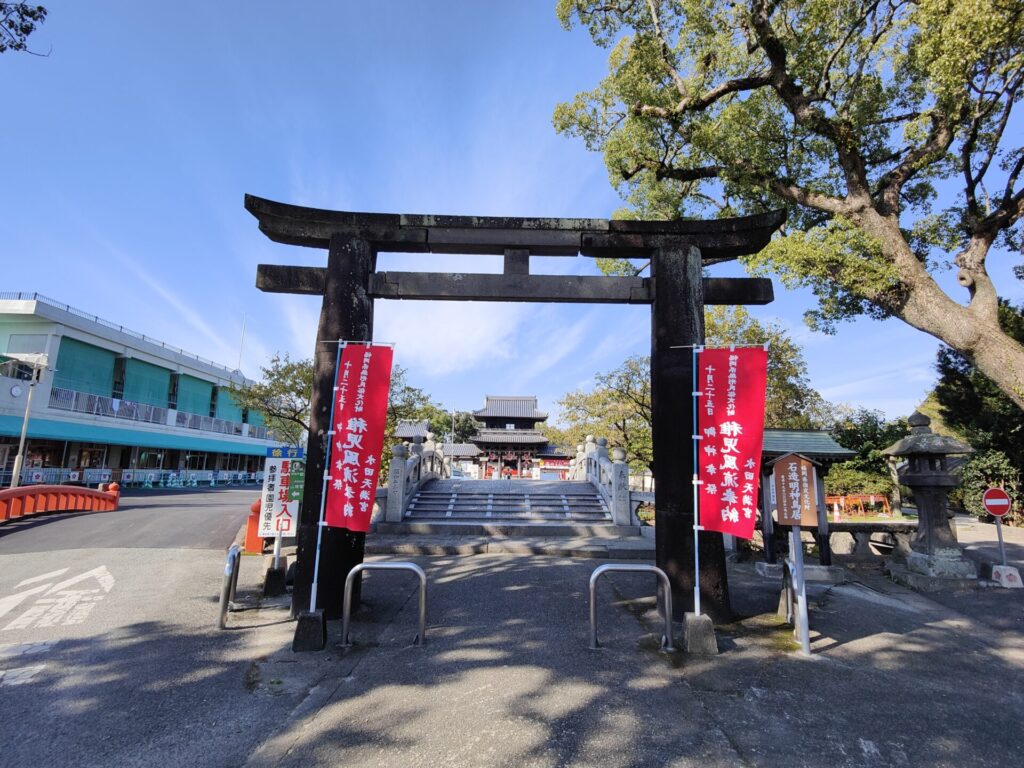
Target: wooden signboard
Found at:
x=796, y=490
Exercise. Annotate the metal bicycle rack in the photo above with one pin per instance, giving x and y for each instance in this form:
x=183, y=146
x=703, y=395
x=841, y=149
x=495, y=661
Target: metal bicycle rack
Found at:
x=668, y=640
x=346, y=610
x=227, y=592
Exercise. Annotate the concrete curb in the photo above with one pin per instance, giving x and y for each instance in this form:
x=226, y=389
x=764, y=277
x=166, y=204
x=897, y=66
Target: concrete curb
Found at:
x=602, y=549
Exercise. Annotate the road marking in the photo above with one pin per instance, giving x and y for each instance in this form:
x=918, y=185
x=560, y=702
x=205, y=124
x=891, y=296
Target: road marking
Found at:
x=20, y=675
x=50, y=575
x=8, y=604
x=13, y=650
x=101, y=574
x=58, y=604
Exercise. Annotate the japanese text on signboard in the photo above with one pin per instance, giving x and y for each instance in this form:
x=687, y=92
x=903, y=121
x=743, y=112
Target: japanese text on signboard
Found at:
x=795, y=490
x=730, y=423
x=357, y=434
x=283, y=481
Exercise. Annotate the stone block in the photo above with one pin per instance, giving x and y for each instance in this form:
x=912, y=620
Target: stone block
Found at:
x=1006, y=576
x=943, y=563
x=768, y=570
x=310, y=632
x=901, y=574
x=274, y=582
x=699, y=635
x=831, y=574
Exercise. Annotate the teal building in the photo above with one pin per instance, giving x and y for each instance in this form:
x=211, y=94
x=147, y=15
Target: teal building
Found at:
x=114, y=405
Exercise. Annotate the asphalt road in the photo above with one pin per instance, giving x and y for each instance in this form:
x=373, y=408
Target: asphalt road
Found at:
x=109, y=652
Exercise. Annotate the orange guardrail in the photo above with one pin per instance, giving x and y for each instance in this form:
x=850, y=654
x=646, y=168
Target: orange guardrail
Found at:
x=36, y=499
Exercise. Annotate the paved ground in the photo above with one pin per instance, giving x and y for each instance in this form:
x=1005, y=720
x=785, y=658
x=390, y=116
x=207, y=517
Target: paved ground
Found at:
x=109, y=654
x=506, y=678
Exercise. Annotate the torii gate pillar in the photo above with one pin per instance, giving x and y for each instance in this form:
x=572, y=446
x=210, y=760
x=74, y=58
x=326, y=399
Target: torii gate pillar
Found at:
x=347, y=314
x=677, y=323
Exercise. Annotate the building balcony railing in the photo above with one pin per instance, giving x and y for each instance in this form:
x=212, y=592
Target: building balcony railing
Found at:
x=207, y=423
x=98, y=405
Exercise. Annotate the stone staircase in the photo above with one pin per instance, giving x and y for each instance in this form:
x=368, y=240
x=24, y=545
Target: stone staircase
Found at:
x=508, y=508
x=521, y=501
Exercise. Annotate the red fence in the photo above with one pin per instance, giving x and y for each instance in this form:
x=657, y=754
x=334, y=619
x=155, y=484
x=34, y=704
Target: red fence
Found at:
x=35, y=499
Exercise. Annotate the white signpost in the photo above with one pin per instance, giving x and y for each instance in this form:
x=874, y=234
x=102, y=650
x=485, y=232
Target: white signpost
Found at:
x=997, y=503
x=283, y=480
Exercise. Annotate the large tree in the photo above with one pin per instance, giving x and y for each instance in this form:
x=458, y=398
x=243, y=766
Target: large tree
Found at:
x=17, y=22
x=619, y=406
x=283, y=394
x=973, y=406
x=849, y=114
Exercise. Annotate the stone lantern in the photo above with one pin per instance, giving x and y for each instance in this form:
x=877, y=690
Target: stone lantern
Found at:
x=935, y=558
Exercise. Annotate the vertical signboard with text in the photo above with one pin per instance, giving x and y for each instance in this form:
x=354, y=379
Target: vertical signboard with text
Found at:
x=730, y=426
x=357, y=434
x=795, y=488
x=283, y=480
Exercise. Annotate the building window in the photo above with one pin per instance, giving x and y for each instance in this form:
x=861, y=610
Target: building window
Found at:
x=172, y=392
x=510, y=426
x=119, y=376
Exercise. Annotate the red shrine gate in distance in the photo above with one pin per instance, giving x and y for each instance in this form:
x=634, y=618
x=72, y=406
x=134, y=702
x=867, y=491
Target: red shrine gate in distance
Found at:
x=676, y=291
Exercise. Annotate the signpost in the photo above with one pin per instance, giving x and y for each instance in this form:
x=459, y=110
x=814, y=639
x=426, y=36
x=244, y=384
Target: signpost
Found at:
x=795, y=486
x=997, y=503
x=283, y=482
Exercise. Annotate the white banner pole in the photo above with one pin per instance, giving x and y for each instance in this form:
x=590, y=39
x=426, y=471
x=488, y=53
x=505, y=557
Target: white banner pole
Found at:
x=277, y=551
x=696, y=491
x=327, y=469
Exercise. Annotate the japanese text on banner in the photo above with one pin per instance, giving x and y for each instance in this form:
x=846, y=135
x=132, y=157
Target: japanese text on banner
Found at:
x=360, y=411
x=730, y=423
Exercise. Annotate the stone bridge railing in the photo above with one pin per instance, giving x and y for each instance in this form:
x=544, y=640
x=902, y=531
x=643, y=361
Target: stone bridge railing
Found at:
x=609, y=475
x=411, y=467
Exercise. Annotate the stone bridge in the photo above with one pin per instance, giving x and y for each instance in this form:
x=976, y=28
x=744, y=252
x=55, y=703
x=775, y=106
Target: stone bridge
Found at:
x=596, y=497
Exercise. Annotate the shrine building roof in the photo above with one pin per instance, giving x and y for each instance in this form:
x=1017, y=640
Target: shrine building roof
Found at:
x=511, y=406
x=510, y=437
x=811, y=443
x=461, y=450
x=408, y=429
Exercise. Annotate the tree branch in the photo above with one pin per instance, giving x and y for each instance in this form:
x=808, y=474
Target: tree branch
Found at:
x=688, y=174
x=666, y=49
x=801, y=106
x=940, y=137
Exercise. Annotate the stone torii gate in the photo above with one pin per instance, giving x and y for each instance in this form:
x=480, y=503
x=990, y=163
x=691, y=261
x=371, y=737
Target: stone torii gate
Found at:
x=676, y=291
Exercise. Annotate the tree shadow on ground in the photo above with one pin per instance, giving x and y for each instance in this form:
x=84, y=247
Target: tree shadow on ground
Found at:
x=149, y=693
x=507, y=678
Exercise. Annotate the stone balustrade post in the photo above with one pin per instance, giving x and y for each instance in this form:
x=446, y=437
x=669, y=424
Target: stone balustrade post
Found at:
x=430, y=449
x=579, y=463
x=417, y=452
x=396, y=484
x=590, y=451
x=620, y=488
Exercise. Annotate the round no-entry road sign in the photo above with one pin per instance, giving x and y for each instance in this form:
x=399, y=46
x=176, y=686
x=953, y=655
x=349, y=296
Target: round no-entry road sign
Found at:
x=996, y=502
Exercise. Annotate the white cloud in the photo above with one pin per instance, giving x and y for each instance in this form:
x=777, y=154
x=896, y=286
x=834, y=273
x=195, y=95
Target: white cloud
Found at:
x=440, y=338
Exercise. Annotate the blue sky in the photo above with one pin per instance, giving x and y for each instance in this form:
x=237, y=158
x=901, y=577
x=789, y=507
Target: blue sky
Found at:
x=129, y=148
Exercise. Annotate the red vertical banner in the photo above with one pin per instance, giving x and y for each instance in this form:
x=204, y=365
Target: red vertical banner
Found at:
x=360, y=411
x=730, y=423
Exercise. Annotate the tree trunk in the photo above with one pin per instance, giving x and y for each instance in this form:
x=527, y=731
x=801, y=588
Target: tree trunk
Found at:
x=971, y=330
